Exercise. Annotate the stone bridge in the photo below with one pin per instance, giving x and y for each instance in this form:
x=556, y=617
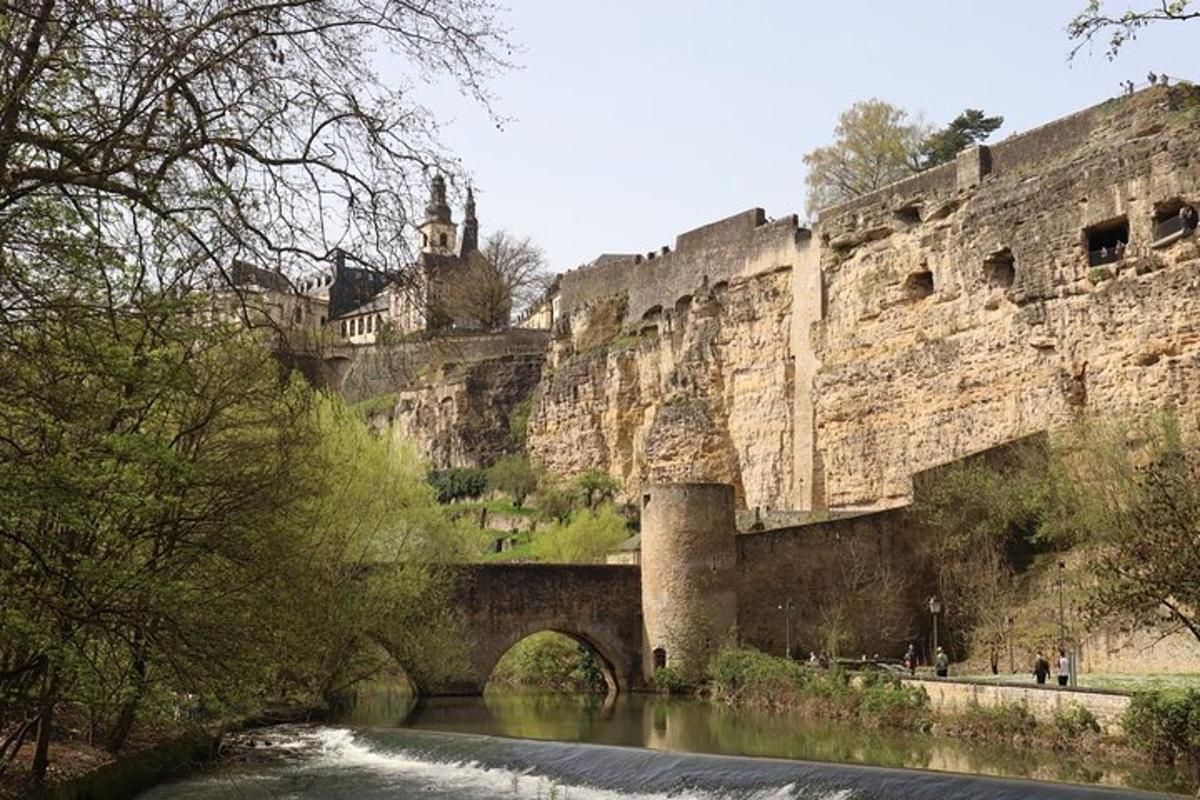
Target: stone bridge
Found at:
x=599, y=605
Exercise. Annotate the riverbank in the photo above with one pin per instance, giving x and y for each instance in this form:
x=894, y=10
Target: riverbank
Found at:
x=152, y=755
x=1158, y=726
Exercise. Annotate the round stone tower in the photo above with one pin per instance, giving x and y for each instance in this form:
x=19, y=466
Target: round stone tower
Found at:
x=689, y=572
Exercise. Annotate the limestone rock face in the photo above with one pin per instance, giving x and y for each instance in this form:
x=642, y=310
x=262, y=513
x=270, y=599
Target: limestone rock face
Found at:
x=459, y=417
x=451, y=395
x=977, y=317
x=702, y=392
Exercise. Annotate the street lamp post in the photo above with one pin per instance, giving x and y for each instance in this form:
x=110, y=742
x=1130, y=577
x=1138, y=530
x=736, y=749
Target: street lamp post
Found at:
x=935, y=608
x=786, y=608
x=1062, y=620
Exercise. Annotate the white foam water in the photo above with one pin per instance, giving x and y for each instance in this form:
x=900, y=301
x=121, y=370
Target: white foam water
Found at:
x=341, y=749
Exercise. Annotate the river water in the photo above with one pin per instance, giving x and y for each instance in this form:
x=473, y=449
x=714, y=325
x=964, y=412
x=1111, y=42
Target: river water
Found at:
x=635, y=748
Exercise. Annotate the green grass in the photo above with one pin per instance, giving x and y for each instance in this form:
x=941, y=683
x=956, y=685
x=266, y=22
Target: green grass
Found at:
x=1111, y=681
x=497, y=507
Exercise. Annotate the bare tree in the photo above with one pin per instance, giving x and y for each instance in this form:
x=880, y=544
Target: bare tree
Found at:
x=190, y=134
x=1123, y=26
x=507, y=276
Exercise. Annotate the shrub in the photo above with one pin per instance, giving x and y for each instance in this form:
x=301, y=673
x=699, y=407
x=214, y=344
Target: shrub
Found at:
x=458, y=483
x=586, y=539
x=518, y=420
x=1075, y=721
x=888, y=703
x=1003, y=721
x=1165, y=724
x=671, y=681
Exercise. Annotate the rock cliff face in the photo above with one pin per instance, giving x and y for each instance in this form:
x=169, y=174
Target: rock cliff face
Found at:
x=450, y=395
x=965, y=309
x=459, y=417
x=702, y=392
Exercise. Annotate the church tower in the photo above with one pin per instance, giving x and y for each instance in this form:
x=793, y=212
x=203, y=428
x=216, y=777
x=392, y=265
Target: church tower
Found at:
x=470, y=233
x=439, y=234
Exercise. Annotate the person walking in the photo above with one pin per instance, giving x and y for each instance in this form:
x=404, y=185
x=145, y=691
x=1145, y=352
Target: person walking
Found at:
x=942, y=664
x=910, y=659
x=1041, y=668
x=1064, y=667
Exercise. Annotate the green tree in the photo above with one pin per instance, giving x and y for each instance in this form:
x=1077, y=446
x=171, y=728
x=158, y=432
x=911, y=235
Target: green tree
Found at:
x=515, y=476
x=969, y=128
x=586, y=539
x=1131, y=491
x=596, y=487
x=874, y=144
x=1124, y=26
x=458, y=483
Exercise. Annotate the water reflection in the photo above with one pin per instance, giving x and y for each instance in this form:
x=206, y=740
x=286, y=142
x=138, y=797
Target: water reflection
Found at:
x=697, y=727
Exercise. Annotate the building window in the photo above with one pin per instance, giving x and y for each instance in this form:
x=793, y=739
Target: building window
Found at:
x=442, y=239
x=1000, y=269
x=378, y=322
x=359, y=326
x=343, y=327
x=1106, y=242
x=299, y=315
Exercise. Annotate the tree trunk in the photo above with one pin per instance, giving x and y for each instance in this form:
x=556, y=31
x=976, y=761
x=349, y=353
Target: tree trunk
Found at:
x=41, y=750
x=119, y=731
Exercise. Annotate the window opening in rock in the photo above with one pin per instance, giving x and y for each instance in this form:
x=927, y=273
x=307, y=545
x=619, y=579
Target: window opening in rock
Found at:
x=918, y=285
x=1106, y=243
x=909, y=215
x=660, y=658
x=1173, y=219
x=1000, y=269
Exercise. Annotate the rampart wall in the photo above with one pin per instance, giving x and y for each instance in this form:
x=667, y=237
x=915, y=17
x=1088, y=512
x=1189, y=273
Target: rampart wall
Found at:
x=708, y=255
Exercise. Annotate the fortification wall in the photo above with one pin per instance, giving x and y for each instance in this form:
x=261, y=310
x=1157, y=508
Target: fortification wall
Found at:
x=711, y=254
x=960, y=315
x=859, y=577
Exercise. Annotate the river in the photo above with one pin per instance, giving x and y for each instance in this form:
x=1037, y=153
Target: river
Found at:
x=635, y=748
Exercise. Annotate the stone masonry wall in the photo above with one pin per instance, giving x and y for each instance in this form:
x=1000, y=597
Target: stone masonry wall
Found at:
x=711, y=254
x=928, y=350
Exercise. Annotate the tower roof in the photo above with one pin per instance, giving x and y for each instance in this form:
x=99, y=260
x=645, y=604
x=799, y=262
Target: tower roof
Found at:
x=437, y=210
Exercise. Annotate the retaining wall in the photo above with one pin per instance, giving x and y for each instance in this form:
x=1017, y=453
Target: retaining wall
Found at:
x=954, y=697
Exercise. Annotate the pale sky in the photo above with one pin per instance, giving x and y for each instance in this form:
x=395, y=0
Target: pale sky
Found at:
x=635, y=121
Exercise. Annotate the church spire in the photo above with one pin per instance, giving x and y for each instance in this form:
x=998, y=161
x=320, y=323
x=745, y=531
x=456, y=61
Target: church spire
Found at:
x=470, y=229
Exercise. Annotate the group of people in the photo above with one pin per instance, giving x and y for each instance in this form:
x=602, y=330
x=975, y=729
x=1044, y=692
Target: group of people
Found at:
x=1041, y=668
x=941, y=661
x=1151, y=78
x=1041, y=665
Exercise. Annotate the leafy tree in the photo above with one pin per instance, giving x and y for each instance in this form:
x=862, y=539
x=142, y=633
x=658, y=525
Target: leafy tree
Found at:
x=556, y=501
x=458, y=483
x=515, y=476
x=874, y=145
x=596, y=487
x=968, y=128
x=586, y=539
x=1132, y=492
x=1123, y=27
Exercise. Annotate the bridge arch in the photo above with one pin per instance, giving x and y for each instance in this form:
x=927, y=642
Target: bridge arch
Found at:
x=615, y=677
x=599, y=605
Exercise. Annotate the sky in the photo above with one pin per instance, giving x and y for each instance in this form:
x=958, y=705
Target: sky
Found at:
x=632, y=122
